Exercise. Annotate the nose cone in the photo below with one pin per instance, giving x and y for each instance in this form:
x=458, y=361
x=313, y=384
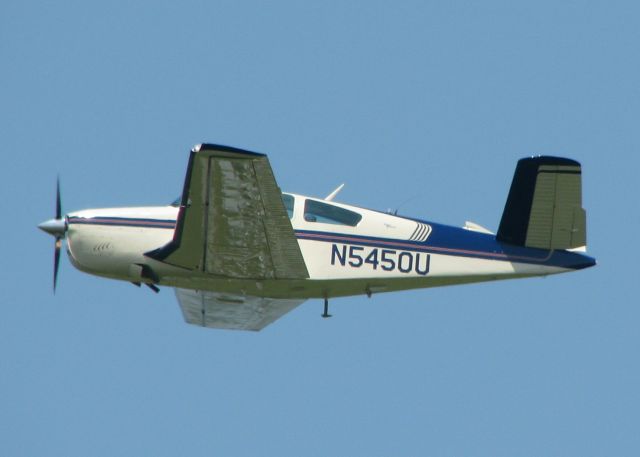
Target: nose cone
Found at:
x=55, y=227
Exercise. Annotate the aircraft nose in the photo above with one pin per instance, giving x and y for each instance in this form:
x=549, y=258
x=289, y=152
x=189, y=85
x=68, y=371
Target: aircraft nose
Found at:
x=55, y=227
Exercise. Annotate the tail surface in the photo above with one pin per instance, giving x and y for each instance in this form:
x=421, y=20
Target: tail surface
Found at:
x=544, y=206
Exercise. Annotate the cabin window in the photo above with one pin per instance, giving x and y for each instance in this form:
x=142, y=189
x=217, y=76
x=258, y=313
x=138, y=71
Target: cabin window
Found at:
x=288, y=204
x=325, y=213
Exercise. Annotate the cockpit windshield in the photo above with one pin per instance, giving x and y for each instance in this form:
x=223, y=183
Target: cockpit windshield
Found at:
x=315, y=211
x=288, y=204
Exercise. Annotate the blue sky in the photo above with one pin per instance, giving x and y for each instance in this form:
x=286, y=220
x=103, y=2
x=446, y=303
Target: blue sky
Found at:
x=422, y=106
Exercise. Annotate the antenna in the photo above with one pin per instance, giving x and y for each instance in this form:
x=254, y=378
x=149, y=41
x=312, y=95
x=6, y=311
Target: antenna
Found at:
x=395, y=212
x=331, y=196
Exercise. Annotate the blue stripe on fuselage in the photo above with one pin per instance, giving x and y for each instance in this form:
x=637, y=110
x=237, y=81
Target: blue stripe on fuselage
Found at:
x=123, y=222
x=462, y=239
x=444, y=240
x=447, y=240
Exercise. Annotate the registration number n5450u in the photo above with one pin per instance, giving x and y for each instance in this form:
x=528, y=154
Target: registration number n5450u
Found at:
x=385, y=259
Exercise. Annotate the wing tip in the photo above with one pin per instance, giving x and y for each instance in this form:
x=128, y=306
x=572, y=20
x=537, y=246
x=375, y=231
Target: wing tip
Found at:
x=211, y=147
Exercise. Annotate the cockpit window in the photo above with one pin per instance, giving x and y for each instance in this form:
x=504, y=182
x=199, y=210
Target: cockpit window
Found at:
x=315, y=211
x=288, y=204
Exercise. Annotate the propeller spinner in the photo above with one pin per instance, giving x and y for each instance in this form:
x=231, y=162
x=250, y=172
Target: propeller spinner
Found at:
x=58, y=228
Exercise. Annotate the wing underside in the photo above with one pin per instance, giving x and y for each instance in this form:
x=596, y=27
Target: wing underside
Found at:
x=233, y=312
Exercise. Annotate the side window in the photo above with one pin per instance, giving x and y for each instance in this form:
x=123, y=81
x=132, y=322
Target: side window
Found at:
x=329, y=214
x=288, y=204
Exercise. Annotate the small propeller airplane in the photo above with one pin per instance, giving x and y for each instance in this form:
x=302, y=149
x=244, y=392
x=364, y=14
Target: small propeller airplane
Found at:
x=241, y=254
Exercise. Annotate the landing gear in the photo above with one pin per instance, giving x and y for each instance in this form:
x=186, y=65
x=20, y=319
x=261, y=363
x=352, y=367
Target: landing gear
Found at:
x=146, y=276
x=326, y=308
x=153, y=287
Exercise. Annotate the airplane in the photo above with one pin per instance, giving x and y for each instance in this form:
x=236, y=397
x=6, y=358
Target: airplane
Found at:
x=240, y=253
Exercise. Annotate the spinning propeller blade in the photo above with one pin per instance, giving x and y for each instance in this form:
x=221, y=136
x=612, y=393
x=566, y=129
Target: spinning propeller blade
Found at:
x=58, y=228
x=56, y=263
x=58, y=202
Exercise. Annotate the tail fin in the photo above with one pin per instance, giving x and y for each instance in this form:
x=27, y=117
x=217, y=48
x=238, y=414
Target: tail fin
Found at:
x=544, y=207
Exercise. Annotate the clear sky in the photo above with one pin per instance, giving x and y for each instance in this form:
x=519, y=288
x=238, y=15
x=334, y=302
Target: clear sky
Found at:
x=422, y=106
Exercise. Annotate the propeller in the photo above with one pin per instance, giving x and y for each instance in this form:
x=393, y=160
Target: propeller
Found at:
x=56, y=227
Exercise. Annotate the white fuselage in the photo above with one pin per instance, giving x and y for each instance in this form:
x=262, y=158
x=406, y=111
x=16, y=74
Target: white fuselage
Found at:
x=382, y=252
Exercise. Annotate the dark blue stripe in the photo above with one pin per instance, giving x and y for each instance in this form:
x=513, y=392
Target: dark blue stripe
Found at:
x=461, y=239
x=446, y=240
x=124, y=222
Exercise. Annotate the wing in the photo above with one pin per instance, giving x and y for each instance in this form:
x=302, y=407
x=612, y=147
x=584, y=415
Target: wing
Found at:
x=232, y=221
x=235, y=312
